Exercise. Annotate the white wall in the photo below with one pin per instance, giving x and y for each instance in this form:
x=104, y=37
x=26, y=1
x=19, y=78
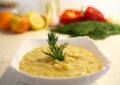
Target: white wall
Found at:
x=108, y=7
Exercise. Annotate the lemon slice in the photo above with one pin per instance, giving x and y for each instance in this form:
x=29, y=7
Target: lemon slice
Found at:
x=47, y=20
x=37, y=22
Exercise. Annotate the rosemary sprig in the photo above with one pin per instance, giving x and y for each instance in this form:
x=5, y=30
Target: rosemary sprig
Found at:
x=56, y=50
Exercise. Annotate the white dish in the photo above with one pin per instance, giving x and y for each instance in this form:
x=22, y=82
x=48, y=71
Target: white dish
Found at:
x=86, y=42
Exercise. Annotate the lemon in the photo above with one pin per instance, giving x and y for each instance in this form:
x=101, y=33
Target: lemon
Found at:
x=37, y=22
x=47, y=20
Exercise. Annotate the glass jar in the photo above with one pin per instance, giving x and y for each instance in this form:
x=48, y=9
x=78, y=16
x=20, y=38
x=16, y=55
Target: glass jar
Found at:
x=9, y=6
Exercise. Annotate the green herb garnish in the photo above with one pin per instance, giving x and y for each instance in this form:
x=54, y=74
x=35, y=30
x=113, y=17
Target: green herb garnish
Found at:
x=56, y=50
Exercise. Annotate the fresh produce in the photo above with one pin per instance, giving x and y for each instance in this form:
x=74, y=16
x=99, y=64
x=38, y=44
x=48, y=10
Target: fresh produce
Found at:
x=51, y=11
x=92, y=13
x=93, y=29
x=47, y=16
x=37, y=22
x=19, y=24
x=89, y=22
x=46, y=19
x=113, y=20
x=5, y=19
x=70, y=16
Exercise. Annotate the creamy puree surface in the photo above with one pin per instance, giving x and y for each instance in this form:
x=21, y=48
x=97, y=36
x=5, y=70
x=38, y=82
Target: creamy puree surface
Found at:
x=78, y=61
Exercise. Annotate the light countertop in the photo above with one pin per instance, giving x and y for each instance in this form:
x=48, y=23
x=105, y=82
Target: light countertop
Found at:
x=9, y=44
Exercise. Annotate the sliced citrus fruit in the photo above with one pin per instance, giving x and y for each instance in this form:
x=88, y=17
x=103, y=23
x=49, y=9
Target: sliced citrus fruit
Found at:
x=47, y=20
x=37, y=22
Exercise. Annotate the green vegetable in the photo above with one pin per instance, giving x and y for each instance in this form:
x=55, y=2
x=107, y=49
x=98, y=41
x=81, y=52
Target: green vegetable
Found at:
x=93, y=29
x=56, y=51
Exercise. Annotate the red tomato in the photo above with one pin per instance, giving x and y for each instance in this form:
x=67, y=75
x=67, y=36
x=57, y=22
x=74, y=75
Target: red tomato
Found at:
x=69, y=16
x=92, y=13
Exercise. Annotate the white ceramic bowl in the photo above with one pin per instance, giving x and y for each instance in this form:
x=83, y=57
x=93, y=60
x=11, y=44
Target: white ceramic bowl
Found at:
x=86, y=42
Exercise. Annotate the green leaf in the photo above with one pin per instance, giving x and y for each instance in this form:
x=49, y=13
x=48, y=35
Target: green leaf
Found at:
x=93, y=29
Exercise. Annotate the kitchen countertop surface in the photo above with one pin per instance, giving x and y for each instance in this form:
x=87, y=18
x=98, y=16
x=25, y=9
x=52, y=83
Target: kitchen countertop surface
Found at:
x=10, y=42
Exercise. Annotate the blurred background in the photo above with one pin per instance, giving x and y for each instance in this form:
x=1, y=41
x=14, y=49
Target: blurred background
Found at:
x=108, y=7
